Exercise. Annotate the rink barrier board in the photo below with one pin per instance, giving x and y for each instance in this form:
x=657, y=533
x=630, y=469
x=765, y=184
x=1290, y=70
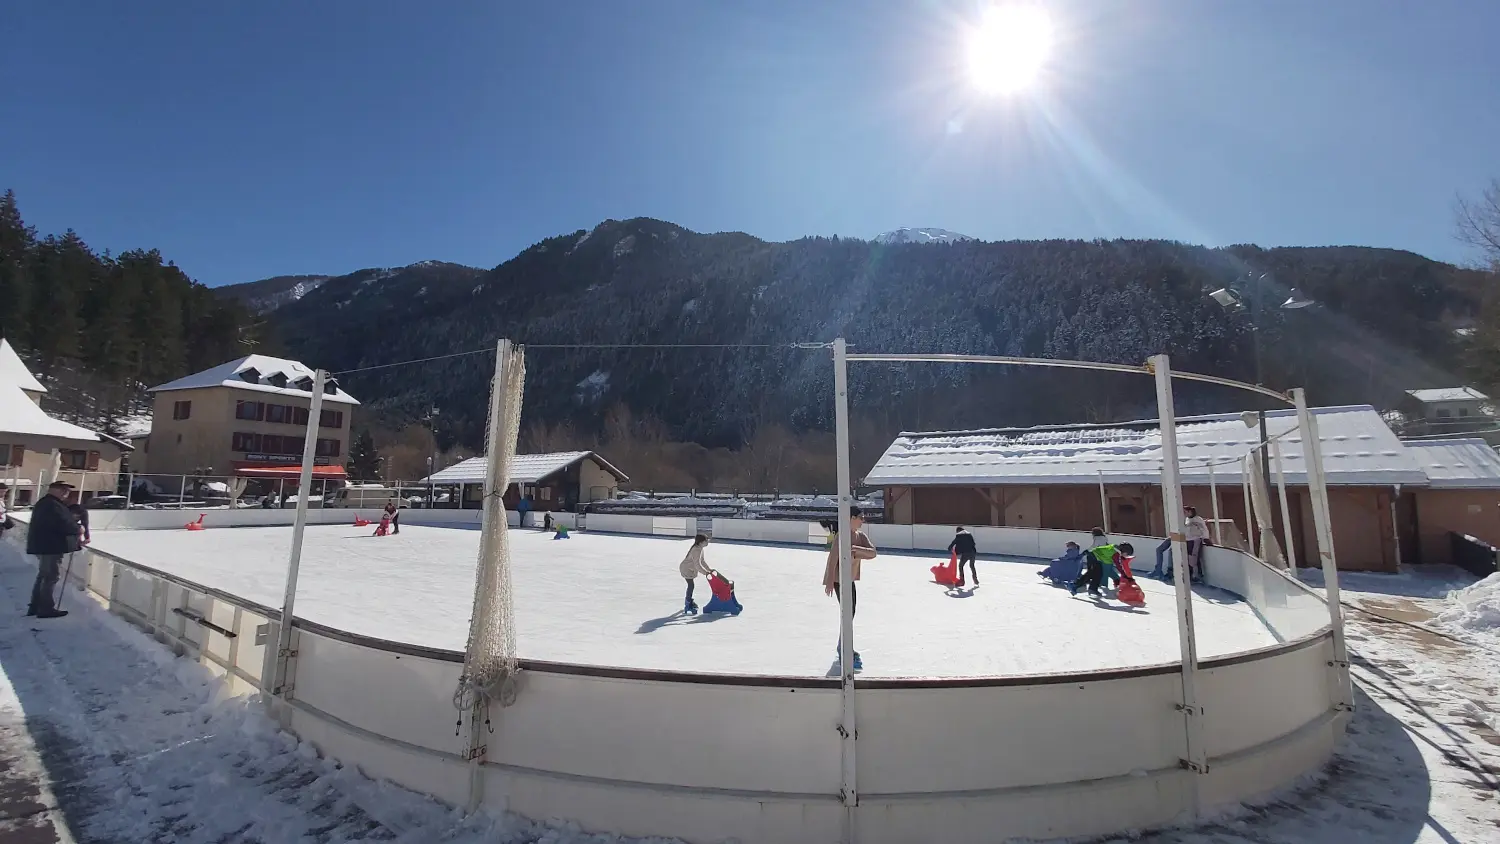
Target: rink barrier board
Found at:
x=564, y=751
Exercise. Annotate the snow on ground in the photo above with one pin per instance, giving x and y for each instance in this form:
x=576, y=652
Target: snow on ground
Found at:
x=617, y=600
x=127, y=744
x=1475, y=609
x=136, y=746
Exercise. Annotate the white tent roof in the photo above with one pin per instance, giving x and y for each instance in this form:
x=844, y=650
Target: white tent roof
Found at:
x=20, y=415
x=1447, y=394
x=230, y=375
x=1358, y=450
x=14, y=371
x=1460, y=463
x=527, y=468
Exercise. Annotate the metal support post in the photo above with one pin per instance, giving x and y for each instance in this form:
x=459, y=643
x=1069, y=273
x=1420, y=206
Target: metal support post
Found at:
x=1103, y=503
x=1395, y=524
x=848, y=730
x=1197, y=758
x=1286, y=510
x=1213, y=492
x=1317, y=484
x=284, y=632
x=1245, y=463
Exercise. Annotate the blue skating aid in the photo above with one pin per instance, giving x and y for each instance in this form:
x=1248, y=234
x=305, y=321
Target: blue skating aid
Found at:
x=723, y=599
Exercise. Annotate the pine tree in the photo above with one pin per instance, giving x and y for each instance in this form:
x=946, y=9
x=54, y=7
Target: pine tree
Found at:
x=16, y=243
x=364, y=458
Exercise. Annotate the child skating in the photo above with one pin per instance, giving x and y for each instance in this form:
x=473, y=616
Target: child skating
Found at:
x=692, y=566
x=860, y=548
x=1093, y=575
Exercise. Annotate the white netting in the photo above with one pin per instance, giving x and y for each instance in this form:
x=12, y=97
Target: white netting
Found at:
x=490, y=664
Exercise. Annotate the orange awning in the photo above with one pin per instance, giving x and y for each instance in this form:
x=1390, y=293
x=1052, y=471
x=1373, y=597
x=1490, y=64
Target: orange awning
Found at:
x=291, y=470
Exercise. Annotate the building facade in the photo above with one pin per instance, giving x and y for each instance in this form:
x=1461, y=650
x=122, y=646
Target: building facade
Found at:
x=35, y=448
x=1081, y=477
x=246, y=418
x=558, y=482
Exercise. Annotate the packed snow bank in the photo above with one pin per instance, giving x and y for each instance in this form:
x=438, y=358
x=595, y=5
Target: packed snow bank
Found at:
x=1475, y=610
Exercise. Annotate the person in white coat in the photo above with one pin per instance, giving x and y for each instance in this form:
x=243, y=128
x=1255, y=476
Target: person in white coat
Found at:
x=693, y=565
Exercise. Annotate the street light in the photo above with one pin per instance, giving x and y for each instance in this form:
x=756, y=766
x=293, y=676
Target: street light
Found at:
x=1233, y=301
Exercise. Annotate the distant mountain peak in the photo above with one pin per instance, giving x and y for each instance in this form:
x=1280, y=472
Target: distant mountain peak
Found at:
x=926, y=235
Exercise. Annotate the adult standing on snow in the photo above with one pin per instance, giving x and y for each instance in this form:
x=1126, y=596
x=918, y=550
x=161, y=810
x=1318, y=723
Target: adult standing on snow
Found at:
x=963, y=545
x=53, y=533
x=860, y=548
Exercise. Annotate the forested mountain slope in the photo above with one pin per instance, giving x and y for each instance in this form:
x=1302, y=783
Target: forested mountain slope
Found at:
x=1385, y=322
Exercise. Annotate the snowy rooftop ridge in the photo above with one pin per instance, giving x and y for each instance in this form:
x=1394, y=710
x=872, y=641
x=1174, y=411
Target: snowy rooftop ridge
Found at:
x=1437, y=394
x=1457, y=463
x=13, y=370
x=20, y=415
x=525, y=469
x=272, y=375
x=1358, y=449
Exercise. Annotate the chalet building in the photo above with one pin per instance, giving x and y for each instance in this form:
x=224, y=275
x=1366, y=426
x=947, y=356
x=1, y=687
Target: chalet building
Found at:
x=34, y=447
x=558, y=482
x=246, y=418
x=1448, y=412
x=1385, y=506
x=1462, y=496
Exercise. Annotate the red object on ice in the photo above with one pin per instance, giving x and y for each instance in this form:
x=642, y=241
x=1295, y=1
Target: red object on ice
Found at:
x=947, y=575
x=198, y=525
x=1129, y=592
x=361, y=522
x=722, y=588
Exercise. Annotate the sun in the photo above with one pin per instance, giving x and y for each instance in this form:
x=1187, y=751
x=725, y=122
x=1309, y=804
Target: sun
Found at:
x=1009, y=48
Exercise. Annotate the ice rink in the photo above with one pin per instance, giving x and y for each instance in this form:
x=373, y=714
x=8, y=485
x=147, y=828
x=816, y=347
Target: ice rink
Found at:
x=616, y=600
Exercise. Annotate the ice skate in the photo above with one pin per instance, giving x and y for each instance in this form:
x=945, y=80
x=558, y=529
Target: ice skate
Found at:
x=690, y=608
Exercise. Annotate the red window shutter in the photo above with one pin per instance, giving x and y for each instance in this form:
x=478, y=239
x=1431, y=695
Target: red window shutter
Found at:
x=93, y=462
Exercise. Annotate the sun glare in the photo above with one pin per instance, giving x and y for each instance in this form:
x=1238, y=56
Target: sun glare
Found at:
x=1008, y=48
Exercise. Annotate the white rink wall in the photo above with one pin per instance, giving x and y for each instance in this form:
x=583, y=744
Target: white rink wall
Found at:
x=757, y=758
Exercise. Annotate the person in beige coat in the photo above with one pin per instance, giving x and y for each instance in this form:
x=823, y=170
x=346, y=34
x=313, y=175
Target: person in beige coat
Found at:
x=860, y=549
x=691, y=566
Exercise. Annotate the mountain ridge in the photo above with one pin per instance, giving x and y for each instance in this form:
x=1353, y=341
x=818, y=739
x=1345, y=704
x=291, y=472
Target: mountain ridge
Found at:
x=648, y=281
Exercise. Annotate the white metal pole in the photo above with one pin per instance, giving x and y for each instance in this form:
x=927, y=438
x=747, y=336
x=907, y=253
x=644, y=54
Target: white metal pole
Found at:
x=849, y=791
x=1197, y=759
x=1213, y=493
x=1317, y=484
x=1286, y=510
x=182, y=491
x=1103, y=502
x=284, y=634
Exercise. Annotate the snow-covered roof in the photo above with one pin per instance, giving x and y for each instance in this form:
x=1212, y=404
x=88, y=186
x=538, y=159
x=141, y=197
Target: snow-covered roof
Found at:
x=527, y=468
x=20, y=415
x=1358, y=450
x=269, y=376
x=1437, y=394
x=131, y=427
x=1458, y=463
x=14, y=371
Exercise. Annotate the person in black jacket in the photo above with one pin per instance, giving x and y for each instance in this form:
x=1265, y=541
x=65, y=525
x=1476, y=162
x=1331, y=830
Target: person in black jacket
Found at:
x=963, y=543
x=53, y=533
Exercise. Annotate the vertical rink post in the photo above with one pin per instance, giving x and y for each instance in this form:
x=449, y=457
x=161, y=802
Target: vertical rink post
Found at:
x=1317, y=484
x=1171, y=490
x=1286, y=510
x=848, y=733
x=304, y=491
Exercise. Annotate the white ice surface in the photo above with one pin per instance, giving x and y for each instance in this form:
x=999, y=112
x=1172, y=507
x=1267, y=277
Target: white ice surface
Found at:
x=616, y=600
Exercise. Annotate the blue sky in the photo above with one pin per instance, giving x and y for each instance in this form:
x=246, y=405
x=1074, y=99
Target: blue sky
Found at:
x=254, y=139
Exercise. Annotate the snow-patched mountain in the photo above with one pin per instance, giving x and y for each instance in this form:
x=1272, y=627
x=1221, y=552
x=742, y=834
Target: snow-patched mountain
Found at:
x=905, y=235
